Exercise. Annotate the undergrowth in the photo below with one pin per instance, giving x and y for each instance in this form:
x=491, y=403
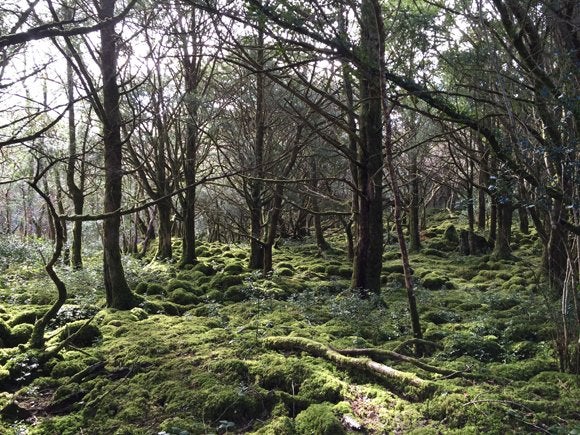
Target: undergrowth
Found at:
x=192, y=358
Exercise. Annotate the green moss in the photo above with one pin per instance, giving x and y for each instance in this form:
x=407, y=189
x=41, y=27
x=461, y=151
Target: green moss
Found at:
x=141, y=288
x=88, y=335
x=67, y=368
x=522, y=370
x=484, y=349
x=434, y=281
x=27, y=316
x=322, y=388
x=439, y=317
x=5, y=332
x=318, y=419
x=233, y=269
x=235, y=293
x=204, y=268
x=223, y=281
x=283, y=271
x=138, y=313
x=21, y=333
x=182, y=296
x=278, y=426
x=155, y=289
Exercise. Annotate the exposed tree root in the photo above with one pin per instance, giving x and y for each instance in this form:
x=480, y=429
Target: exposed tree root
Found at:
x=398, y=379
x=383, y=355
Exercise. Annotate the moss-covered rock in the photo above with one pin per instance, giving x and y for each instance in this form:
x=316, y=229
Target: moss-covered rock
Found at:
x=223, y=281
x=154, y=289
x=5, y=332
x=318, y=419
x=439, y=317
x=278, y=426
x=86, y=334
x=434, y=281
x=21, y=333
x=204, y=268
x=141, y=288
x=182, y=296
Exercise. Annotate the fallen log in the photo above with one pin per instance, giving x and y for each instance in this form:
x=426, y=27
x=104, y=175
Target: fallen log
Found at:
x=364, y=365
x=384, y=355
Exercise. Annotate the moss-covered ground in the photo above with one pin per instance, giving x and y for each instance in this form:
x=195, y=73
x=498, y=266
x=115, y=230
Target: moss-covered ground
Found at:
x=193, y=358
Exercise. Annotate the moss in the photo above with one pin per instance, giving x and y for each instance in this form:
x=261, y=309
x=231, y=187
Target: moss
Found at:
x=67, y=368
x=223, y=281
x=278, y=426
x=27, y=316
x=204, y=268
x=182, y=426
x=155, y=289
x=231, y=370
x=138, y=313
x=440, y=317
x=434, y=281
x=484, y=349
x=182, y=296
x=393, y=268
x=322, y=388
x=318, y=419
x=434, y=252
x=283, y=271
x=141, y=288
x=89, y=334
x=20, y=334
x=235, y=293
x=233, y=269
x=5, y=332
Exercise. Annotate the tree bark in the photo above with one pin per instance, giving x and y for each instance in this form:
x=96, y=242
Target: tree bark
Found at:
x=256, y=189
x=368, y=259
x=414, y=219
x=118, y=293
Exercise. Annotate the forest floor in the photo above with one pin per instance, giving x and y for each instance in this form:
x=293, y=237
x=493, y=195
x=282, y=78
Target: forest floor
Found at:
x=218, y=349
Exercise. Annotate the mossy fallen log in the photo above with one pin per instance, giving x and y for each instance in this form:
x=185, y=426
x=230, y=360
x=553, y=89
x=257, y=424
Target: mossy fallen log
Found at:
x=405, y=383
x=384, y=355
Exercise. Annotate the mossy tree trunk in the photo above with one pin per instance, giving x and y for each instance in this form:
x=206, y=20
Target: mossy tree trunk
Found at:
x=37, y=338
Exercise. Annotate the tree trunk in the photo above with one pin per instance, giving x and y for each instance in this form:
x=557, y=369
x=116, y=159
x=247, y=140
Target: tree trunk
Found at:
x=555, y=255
x=256, y=189
x=118, y=293
x=192, y=71
x=483, y=182
x=368, y=259
x=75, y=191
x=414, y=220
x=164, y=249
x=501, y=249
